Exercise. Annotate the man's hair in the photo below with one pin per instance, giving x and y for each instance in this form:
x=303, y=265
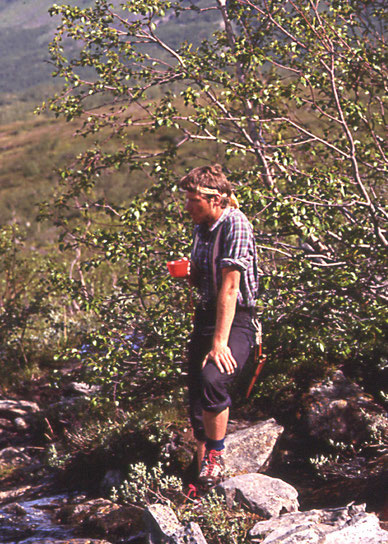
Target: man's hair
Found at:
x=210, y=177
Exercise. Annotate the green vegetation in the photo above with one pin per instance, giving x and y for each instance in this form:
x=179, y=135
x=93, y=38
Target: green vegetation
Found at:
x=33, y=151
x=219, y=524
x=290, y=99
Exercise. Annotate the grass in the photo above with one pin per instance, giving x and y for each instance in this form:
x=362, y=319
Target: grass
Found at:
x=32, y=151
x=34, y=148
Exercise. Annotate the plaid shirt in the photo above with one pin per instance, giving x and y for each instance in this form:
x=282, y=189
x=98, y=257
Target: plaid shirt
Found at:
x=228, y=242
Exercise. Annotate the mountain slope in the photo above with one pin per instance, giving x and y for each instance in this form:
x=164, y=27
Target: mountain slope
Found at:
x=26, y=29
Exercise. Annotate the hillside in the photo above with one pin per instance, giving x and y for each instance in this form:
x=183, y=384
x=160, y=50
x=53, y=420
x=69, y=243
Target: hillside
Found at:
x=26, y=29
x=32, y=149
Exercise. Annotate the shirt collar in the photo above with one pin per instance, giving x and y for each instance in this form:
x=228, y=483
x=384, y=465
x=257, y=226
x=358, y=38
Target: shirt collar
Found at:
x=222, y=218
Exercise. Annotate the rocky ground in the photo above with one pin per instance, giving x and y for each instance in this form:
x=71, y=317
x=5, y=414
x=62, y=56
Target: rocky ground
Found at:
x=344, y=505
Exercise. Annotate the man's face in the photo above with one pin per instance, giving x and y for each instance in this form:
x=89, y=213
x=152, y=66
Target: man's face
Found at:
x=201, y=209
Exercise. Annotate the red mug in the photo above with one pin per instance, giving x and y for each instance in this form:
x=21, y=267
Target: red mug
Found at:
x=179, y=268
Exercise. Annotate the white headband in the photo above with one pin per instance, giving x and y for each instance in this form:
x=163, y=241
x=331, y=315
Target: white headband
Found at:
x=208, y=191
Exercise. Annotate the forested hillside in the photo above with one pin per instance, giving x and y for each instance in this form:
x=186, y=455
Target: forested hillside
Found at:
x=26, y=29
x=33, y=149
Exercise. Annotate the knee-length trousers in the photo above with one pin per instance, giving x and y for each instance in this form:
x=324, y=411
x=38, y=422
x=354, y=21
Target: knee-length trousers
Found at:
x=209, y=389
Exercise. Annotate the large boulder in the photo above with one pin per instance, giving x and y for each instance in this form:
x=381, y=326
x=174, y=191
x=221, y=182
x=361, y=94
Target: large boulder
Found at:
x=9, y=495
x=14, y=456
x=102, y=517
x=16, y=414
x=250, y=449
x=261, y=494
x=346, y=525
x=11, y=409
x=338, y=411
x=163, y=527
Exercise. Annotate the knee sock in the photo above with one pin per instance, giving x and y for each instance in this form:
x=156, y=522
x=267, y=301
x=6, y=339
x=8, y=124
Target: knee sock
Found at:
x=217, y=445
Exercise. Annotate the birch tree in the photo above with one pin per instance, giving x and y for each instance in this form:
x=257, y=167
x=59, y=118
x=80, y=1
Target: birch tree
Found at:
x=290, y=97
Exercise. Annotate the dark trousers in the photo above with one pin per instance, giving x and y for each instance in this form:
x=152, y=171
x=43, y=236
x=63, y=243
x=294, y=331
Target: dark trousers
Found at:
x=209, y=389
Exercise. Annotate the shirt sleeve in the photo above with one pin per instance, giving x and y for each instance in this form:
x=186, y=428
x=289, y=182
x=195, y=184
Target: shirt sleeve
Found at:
x=236, y=247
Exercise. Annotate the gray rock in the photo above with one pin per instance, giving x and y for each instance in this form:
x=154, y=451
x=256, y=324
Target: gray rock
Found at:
x=161, y=522
x=261, y=494
x=71, y=541
x=347, y=525
x=338, y=410
x=11, y=409
x=15, y=493
x=250, y=449
x=102, y=516
x=80, y=388
x=21, y=424
x=163, y=527
x=363, y=529
x=6, y=424
x=14, y=456
x=191, y=534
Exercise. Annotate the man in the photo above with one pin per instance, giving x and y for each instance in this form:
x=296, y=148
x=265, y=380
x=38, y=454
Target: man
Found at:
x=224, y=269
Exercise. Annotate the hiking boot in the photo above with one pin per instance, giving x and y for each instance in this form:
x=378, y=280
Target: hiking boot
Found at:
x=212, y=469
